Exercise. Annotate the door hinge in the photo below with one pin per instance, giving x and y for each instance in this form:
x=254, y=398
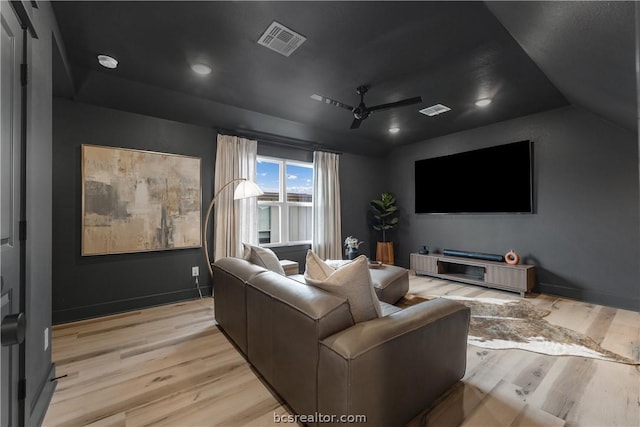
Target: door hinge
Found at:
x=22, y=231
x=22, y=389
x=23, y=74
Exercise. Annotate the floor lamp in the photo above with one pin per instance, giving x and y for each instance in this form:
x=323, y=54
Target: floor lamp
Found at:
x=244, y=190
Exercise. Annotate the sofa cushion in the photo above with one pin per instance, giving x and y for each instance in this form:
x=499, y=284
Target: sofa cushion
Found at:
x=388, y=309
x=352, y=282
x=264, y=257
x=391, y=283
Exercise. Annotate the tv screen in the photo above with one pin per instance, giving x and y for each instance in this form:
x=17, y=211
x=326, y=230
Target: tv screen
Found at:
x=490, y=180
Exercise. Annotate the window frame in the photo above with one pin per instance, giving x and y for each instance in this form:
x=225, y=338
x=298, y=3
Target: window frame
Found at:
x=283, y=204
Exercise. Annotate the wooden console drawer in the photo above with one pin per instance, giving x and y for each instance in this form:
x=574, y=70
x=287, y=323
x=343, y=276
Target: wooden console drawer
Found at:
x=506, y=277
x=424, y=264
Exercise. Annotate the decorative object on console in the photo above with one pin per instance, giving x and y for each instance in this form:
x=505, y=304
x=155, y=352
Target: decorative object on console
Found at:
x=139, y=201
x=511, y=257
x=245, y=189
x=424, y=250
x=476, y=255
x=352, y=246
x=383, y=217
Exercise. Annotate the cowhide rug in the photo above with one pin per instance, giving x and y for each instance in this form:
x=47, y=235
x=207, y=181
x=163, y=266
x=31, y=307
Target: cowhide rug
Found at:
x=517, y=324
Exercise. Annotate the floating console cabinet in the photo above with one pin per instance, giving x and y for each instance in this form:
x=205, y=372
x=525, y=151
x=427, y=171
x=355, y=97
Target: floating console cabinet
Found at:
x=517, y=278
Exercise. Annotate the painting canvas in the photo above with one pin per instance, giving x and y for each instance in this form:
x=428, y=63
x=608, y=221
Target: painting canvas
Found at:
x=139, y=201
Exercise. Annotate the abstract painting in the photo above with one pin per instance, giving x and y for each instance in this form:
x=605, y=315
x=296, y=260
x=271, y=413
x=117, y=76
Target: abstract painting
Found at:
x=139, y=201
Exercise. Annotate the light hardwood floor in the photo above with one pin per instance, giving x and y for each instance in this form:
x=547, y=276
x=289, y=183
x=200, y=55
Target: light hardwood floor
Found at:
x=171, y=366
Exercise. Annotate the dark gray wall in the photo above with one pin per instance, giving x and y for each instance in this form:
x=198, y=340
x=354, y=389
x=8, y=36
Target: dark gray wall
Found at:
x=97, y=285
x=584, y=234
x=361, y=180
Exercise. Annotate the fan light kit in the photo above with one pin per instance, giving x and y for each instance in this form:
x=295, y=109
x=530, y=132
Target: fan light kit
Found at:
x=201, y=69
x=483, y=102
x=394, y=129
x=107, y=61
x=361, y=112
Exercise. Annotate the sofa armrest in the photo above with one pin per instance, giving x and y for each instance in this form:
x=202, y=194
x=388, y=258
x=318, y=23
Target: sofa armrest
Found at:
x=392, y=368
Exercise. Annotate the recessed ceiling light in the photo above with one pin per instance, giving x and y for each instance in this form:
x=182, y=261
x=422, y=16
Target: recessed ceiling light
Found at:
x=107, y=61
x=394, y=129
x=483, y=102
x=201, y=69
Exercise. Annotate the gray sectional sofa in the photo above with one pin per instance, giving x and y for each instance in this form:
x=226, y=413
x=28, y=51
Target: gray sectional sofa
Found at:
x=304, y=343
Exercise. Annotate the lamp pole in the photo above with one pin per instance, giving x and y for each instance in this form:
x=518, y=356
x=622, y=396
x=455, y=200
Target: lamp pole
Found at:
x=206, y=223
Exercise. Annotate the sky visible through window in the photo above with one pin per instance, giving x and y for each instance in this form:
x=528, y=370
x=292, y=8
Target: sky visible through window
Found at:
x=299, y=178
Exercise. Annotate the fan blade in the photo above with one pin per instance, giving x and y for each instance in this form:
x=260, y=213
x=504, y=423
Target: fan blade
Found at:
x=355, y=124
x=408, y=101
x=331, y=102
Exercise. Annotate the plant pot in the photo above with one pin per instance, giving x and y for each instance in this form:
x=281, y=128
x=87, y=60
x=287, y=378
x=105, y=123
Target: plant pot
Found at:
x=384, y=252
x=353, y=253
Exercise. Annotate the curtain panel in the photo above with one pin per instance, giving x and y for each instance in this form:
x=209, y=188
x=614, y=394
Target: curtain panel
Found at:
x=327, y=223
x=236, y=221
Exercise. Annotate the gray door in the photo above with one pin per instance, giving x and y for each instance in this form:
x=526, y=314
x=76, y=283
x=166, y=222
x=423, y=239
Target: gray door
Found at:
x=12, y=356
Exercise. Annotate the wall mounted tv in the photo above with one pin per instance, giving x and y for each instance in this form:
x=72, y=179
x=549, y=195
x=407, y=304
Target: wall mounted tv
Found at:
x=489, y=180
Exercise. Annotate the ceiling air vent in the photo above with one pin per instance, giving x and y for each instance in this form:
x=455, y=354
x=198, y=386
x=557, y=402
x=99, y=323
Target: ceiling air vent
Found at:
x=434, y=110
x=281, y=39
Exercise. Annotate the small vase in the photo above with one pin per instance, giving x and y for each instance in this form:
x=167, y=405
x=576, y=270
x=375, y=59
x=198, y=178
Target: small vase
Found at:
x=353, y=253
x=512, y=257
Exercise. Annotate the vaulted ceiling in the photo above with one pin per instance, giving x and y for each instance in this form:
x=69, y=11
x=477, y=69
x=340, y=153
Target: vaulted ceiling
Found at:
x=526, y=56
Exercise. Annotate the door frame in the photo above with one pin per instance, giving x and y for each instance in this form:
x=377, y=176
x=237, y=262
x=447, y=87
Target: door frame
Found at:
x=18, y=395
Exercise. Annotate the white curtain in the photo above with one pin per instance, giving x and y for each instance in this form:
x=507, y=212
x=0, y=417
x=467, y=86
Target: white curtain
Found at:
x=236, y=221
x=327, y=240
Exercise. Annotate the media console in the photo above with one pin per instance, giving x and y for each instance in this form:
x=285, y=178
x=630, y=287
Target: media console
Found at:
x=517, y=278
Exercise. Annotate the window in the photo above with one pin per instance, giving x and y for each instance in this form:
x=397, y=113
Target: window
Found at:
x=285, y=209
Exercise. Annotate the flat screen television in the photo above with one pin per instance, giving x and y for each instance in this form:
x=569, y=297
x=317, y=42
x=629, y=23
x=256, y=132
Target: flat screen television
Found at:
x=489, y=180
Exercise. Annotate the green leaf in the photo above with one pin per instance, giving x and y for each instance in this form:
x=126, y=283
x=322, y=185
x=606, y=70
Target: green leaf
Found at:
x=377, y=204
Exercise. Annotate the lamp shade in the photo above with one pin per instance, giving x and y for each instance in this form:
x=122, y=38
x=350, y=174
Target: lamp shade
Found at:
x=247, y=189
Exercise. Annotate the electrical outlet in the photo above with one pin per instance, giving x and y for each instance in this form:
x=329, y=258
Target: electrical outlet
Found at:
x=46, y=339
x=195, y=271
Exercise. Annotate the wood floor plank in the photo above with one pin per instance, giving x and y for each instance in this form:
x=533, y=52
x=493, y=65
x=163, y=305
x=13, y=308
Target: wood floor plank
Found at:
x=171, y=365
x=505, y=407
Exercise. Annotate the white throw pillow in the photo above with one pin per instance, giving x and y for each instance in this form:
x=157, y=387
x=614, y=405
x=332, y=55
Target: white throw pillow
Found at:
x=264, y=257
x=337, y=263
x=352, y=281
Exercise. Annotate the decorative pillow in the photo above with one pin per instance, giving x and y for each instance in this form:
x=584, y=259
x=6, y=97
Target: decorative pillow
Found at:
x=337, y=263
x=263, y=257
x=352, y=281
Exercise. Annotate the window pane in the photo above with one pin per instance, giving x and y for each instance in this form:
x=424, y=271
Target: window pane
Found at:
x=299, y=184
x=268, y=224
x=299, y=223
x=268, y=179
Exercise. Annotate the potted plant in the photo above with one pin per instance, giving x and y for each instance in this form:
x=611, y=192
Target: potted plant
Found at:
x=383, y=217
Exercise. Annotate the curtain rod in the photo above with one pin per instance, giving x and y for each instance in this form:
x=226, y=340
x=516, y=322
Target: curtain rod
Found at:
x=284, y=141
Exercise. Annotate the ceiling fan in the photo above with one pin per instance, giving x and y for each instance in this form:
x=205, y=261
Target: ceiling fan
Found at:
x=361, y=112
